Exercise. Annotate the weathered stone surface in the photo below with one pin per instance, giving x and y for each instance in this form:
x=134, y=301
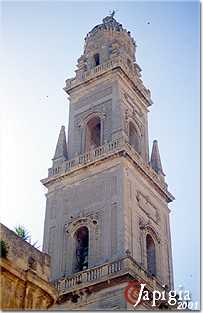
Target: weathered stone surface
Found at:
x=24, y=275
x=107, y=186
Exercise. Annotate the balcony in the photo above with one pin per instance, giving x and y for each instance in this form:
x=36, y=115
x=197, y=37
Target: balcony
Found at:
x=114, y=148
x=108, y=271
x=88, y=157
x=102, y=68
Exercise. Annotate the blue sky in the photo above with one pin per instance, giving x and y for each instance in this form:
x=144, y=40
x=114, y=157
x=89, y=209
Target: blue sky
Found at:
x=41, y=44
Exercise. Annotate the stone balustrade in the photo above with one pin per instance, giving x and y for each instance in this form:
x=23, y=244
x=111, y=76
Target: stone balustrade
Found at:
x=88, y=157
x=107, y=271
x=100, y=69
x=101, y=152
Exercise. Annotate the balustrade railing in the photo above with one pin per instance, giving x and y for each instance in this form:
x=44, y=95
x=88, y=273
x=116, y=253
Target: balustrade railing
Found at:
x=118, y=61
x=90, y=275
x=102, y=151
x=93, y=154
x=104, y=272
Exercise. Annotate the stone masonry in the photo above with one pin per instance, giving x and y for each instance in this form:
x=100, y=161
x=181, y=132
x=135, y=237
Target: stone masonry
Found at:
x=24, y=276
x=107, y=201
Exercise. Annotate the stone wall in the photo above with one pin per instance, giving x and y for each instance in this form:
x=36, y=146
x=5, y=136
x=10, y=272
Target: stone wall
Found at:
x=94, y=202
x=24, y=275
x=146, y=212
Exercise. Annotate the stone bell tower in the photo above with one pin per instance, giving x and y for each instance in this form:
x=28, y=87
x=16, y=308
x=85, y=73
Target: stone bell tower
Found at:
x=107, y=215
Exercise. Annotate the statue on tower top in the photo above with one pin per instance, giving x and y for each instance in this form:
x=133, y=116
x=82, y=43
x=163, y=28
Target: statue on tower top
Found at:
x=112, y=13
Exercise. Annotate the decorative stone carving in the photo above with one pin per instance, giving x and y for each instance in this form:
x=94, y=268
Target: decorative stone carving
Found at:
x=89, y=221
x=84, y=118
x=146, y=205
x=147, y=227
x=95, y=179
x=135, y=110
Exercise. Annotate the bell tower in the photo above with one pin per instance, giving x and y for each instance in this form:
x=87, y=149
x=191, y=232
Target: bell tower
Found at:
x=107, y=215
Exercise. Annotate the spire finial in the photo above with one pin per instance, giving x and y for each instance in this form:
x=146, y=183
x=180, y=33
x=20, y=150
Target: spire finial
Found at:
x=61, y=147
x=155, y=159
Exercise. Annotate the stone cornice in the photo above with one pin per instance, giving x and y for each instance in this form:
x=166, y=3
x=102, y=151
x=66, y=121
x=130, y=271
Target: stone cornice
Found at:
x=116, y=148
x=106, y=272
x=102, y=69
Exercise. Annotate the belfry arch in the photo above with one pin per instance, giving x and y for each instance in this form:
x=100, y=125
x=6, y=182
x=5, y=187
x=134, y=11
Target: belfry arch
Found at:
x=151, y=255
x=81, y=237
x=93, y=133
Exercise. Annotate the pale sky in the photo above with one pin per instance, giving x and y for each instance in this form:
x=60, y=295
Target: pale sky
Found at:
x=41, y=44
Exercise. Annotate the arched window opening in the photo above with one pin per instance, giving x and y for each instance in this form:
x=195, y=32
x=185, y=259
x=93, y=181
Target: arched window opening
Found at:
x=93, y=133
x=151, y=255
x=81, y=252
x=96, y=59
x=134, y=138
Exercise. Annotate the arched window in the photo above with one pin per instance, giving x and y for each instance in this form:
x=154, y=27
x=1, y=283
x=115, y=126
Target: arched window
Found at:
x=93, y=133
x=96, y=59
x=81, y=248
x=151, y=255
x=134, y=139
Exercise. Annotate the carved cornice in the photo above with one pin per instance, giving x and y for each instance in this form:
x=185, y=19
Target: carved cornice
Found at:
x=116, y=148
x=117, y=62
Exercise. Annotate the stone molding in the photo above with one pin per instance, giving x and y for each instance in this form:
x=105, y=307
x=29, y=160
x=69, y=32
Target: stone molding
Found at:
x=105, y=272
x=72, y=226
x=116, y=148
x=106, y=67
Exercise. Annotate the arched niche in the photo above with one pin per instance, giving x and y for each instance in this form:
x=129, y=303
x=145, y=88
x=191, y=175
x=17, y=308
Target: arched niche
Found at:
x=85, y=229
x=93, y=133
x=151, y=250
x=92, y=130
x=81, y=237
x=96, y=59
